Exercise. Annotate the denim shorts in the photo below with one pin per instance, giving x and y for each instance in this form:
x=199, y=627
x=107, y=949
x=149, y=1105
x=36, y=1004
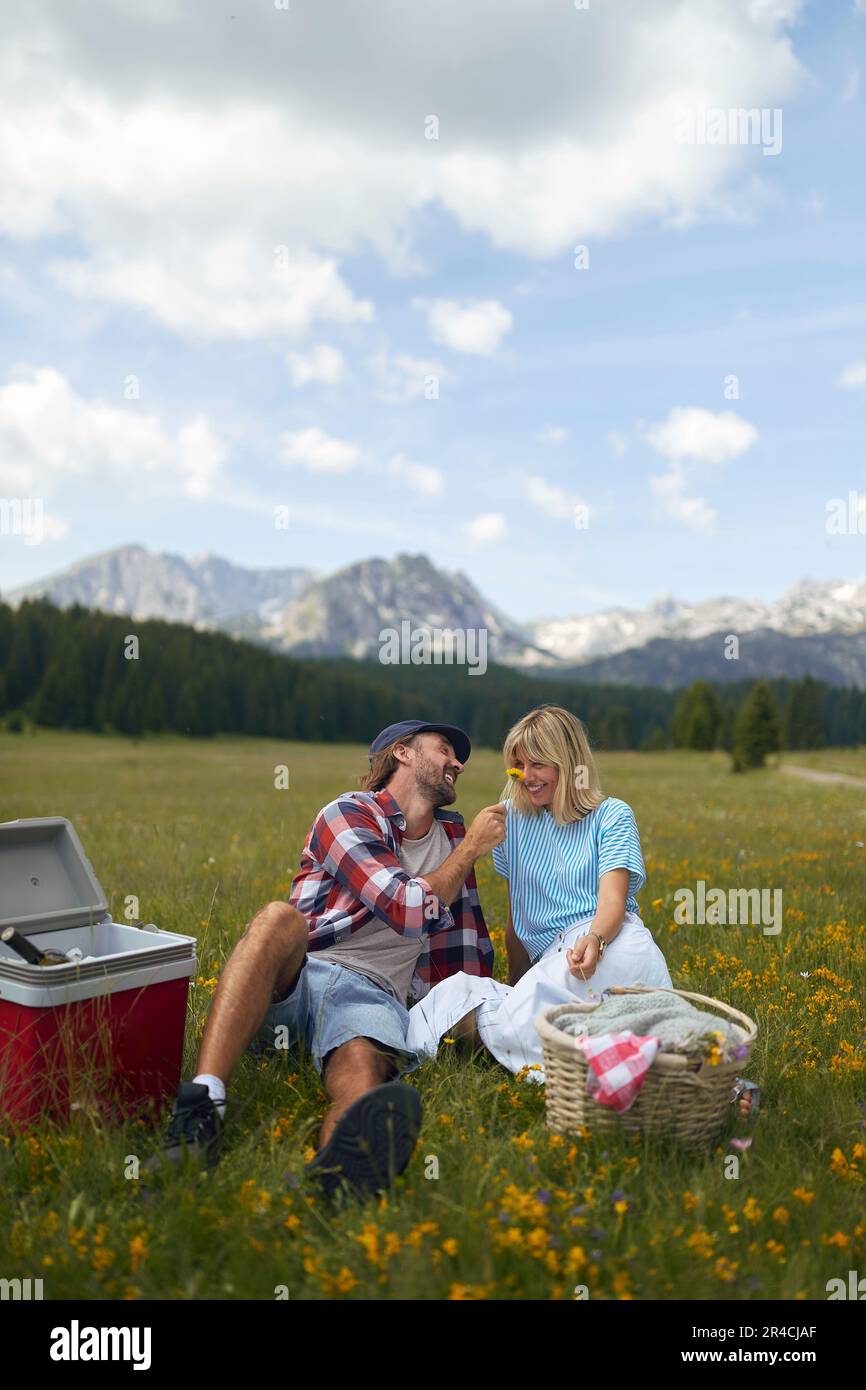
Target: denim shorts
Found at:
x=329, y=1005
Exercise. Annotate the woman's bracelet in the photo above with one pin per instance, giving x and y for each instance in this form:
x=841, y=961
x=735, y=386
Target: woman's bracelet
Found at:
x=601, y=942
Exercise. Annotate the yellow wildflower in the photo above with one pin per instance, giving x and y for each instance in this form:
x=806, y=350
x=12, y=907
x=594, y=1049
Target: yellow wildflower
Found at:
x=138, y=1251
x=751, y=1211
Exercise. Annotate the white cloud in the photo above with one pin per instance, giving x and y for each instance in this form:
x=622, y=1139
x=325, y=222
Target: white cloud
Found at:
x=485, y=528
x=405, y=378
x=552, y=434
x=201, y=457
x=852, y=84
x=616, y=443
x=774, y=11
x=690, y=438
x=50, y=437
x=322, y=363
x=319, y=452
x=695, y=512
x=176, y=151
x=475, y=326
x=420, y=476
x=26, y=517
x=853, y=376
x=54, y=528
x=692, y=433
x=231, y=288
x=549, y=498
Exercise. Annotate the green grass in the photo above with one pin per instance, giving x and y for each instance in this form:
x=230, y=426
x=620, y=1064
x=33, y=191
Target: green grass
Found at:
x=198, y=832
x=849, y=760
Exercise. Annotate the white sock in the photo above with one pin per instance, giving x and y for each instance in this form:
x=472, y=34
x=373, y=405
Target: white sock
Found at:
x=216, y=1089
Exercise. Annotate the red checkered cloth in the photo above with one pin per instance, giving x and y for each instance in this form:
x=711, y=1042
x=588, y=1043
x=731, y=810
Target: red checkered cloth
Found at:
x=618, y=1063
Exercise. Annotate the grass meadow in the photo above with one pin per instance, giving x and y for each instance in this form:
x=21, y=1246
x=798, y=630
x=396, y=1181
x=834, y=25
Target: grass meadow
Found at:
x=199, y=833
x=851, y=762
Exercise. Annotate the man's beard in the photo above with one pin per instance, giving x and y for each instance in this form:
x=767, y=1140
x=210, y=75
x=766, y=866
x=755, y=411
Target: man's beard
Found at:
x=433, y=787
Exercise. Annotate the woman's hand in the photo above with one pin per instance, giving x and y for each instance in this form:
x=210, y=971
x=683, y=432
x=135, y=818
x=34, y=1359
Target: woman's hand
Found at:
x=583, y=957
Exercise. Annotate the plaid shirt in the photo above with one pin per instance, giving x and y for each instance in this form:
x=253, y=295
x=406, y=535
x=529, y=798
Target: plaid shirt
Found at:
x=350, y=873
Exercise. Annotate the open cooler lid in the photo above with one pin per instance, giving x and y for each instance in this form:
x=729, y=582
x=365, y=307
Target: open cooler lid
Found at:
x=46, y=879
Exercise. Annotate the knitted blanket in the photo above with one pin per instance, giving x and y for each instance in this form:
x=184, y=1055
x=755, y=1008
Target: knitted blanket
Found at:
x=678, y=1025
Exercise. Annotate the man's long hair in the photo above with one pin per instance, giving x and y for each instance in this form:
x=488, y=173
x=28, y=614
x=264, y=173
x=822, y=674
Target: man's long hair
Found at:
x=383, y=765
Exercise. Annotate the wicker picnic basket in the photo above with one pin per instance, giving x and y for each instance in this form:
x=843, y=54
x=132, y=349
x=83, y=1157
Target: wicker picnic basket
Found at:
x=680, y=1099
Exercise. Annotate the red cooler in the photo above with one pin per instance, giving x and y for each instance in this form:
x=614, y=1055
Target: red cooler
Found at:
x=103, y=1030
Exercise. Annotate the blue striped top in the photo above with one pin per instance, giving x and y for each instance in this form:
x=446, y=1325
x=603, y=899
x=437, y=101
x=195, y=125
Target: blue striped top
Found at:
x=554, y=870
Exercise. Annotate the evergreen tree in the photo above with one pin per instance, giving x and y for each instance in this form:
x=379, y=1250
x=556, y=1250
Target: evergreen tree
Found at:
x=189, y=712
x=75, y=715
x=51, y=701
x=654, y=742
x=26, y=666
x=697, y=717
x=501, y=722
x=101, y=721
x=725, y=737
x=153, y=717
x=616, y=728
x=803, y=723
x=68, y=668
x=843, y=716
x=7, y=635
x=757, y=730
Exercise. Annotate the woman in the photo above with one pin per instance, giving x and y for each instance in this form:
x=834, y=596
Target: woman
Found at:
x=573, y=862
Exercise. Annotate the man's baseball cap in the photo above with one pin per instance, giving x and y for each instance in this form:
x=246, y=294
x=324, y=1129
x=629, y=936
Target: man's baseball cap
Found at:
x=458, y=739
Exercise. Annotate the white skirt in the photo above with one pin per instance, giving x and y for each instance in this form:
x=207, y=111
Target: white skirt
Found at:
x=505, y=1012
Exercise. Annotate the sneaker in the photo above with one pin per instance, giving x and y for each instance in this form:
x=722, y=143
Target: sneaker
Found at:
x=372, y=1143
x=195, y=1130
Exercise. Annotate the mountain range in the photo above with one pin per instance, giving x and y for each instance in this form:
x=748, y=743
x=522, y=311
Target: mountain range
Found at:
x=817, y=626
x=204, y=591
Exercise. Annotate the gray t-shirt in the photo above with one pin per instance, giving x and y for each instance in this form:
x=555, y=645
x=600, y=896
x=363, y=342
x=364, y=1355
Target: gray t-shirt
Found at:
x=376, y=950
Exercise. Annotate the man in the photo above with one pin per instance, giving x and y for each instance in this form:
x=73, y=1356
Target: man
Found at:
x=384, y=905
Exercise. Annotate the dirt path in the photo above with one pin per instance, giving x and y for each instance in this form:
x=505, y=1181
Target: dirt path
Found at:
x=813, y=774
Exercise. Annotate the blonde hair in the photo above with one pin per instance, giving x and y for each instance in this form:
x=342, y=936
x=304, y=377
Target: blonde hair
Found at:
x=383, y=765
x=553, y=735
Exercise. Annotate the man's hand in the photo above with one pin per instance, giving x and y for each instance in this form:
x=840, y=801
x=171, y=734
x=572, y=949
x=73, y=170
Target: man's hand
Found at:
x=486, y=830
x=583, y=957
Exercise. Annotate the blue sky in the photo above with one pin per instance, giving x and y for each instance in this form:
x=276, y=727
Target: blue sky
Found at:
x=154, y=161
